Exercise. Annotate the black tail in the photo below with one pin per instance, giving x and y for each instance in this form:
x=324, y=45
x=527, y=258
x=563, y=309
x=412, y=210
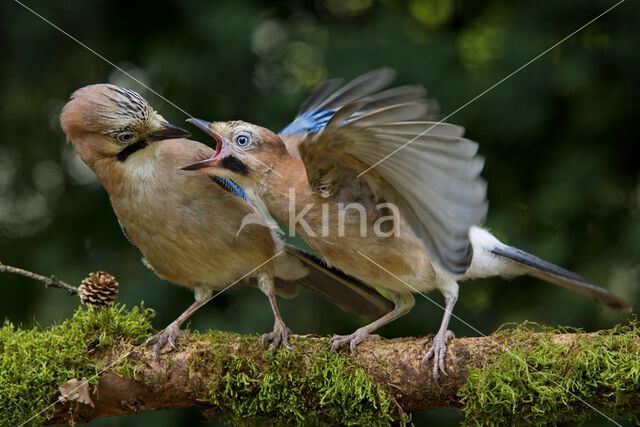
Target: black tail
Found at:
x=551, y=273
x=340, y=289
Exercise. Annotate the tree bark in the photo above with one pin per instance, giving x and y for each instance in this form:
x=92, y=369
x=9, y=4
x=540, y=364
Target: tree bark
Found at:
x=170, y=382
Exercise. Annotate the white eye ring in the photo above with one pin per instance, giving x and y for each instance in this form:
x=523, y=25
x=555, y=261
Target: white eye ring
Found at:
x=125, y=136
x=243, y=140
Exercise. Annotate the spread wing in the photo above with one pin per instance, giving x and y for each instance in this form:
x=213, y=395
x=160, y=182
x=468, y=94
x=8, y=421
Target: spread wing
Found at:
x=329, y=97
x=427, y=169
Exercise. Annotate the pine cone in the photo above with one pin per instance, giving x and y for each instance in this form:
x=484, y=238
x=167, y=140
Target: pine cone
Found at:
x=99, y=289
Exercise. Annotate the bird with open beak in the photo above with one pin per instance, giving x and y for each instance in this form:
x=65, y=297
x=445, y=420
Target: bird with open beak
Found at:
x=381, y=193
x=189, y=227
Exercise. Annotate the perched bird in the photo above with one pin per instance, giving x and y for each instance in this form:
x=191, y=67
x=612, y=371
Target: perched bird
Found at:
x=187, y=226
x=382, y=194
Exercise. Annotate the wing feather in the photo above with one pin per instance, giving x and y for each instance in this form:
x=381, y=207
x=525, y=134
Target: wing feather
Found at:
x=396, y=95
x=319, y=95
x=414, y=128
x=434, y=180
x=388, y=114
x=358, y=88
x=329, y=97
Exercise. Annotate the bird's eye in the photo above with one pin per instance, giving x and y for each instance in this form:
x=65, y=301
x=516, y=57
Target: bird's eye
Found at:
x=125, y=136
x=243, y=140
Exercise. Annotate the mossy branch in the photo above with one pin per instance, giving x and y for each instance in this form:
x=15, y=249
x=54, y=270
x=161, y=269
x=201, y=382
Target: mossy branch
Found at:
x=545, y=377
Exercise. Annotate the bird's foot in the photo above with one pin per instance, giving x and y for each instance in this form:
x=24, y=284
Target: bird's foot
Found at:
x=353, y=340
x=279, y=337
x=438, y=351
x=167, y=336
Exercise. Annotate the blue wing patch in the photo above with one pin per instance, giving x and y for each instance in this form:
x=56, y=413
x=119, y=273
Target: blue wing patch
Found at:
x=232, y=188
x=309, y=122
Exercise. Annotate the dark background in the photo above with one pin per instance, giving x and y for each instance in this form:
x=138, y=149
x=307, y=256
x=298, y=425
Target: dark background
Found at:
x=559, y=138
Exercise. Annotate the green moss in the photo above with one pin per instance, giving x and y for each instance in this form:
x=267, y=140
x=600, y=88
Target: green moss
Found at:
x=541, y=382
x=35, y=362
x=307, y=386
x=538, y=382
x=128, y=368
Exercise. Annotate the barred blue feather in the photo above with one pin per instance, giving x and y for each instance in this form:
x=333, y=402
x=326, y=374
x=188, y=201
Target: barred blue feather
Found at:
x=232, y=188
x=309, y=122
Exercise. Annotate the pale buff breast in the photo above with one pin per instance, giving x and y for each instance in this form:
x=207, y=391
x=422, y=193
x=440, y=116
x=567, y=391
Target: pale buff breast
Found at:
x=183, y=223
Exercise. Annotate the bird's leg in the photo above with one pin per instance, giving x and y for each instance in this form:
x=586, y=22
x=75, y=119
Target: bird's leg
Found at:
x=173, y=331
x=403, y=304
x=438, y=348
x=280, y=334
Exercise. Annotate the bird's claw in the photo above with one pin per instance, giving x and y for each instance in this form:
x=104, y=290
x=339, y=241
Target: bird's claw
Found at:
x=438, y=351
x=279, y=337
x=167, y=336
x=353, y=340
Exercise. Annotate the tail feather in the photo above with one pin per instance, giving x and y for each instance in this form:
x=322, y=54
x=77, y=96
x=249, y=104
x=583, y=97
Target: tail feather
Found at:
x=344, y=291
x=551, y=273
x=284, y=288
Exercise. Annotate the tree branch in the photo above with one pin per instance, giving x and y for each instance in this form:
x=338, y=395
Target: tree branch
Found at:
x=183, y=378
x=49, y=281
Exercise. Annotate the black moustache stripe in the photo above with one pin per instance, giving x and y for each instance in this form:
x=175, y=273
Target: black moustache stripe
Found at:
x=235, y=165
x=130, y=149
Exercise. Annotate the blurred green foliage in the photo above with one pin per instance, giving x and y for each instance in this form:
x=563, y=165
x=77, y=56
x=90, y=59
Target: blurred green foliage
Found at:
x=562, y=158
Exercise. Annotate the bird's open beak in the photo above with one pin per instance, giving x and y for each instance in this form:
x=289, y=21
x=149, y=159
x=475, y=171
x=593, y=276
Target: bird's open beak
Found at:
x=205, y=126
x=168, y=131
x=222, y=149
x=202, y=164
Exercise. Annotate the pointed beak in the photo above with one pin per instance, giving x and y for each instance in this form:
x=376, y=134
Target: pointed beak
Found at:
x=168, y=131
x=205, y=126
x=202, y=164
